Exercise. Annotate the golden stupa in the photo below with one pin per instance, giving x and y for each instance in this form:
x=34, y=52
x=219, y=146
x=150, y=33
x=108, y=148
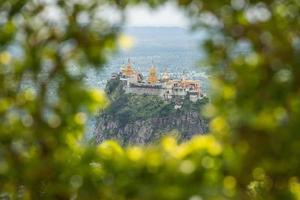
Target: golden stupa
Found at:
x=152, y=78
x=128, y=70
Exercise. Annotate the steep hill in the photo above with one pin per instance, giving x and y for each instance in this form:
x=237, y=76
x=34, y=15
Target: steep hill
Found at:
x=142, y=119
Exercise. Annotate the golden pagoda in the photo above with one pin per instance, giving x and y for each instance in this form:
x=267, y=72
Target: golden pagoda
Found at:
x=152, y=78
x=128, y=70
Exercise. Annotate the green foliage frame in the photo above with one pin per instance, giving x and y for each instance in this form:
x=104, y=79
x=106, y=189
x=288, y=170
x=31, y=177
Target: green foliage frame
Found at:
x=251, y=153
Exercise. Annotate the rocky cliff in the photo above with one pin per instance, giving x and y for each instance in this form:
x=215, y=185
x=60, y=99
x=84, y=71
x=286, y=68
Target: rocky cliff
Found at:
x=143, y=119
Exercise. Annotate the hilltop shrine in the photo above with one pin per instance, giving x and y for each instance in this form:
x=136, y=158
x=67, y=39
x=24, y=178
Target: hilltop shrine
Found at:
x=166, y=87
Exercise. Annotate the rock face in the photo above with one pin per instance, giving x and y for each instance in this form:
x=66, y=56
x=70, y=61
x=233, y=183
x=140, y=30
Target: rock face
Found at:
x=143, y=119
x=183, y=125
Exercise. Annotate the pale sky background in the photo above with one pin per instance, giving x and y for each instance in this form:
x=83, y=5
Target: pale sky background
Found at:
x=142, y=15
x=166, y=15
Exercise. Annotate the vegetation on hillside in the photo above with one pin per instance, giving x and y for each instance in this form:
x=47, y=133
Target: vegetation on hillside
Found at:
x=114, y=89
x=128, y=108
x=252, y=152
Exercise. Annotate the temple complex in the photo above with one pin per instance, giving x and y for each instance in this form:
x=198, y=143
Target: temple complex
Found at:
x=166, y=87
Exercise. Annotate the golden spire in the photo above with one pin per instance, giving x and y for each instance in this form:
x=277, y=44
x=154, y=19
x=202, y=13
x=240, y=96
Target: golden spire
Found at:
x=128, y=70
x=152, y=78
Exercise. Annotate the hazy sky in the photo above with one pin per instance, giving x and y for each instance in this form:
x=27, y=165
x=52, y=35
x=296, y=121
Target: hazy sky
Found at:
x=167, y=15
